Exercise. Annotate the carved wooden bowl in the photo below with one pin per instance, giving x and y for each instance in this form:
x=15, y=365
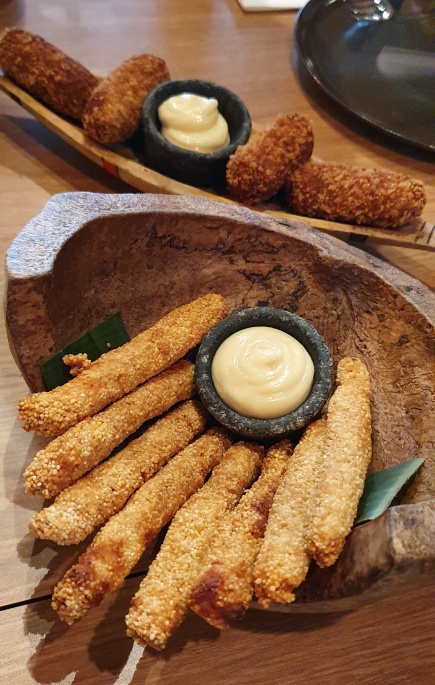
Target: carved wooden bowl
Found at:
x=86, y=256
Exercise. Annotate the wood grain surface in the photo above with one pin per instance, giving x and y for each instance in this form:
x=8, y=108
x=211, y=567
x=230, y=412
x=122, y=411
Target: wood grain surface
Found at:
x=375, y=645
x=252, y=54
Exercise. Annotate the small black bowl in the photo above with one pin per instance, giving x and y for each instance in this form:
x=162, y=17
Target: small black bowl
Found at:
x=194, y=168
x=300, y=329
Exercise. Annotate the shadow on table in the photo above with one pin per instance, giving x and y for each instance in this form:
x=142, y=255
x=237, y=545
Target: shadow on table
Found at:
x=64, y=166
x=98, y=643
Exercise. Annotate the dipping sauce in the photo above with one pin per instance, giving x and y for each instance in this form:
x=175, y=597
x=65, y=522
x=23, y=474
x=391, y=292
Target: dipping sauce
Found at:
x=194, y=123
x=262, y=372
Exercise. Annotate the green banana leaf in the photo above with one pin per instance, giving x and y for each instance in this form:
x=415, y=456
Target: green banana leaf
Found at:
x=108, y=335
x=381, y=488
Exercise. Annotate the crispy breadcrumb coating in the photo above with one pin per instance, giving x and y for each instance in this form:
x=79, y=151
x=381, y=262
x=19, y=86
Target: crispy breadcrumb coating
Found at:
x=104, y=491
x=68, y=457
x=46, y=72
x=348, y=450
x=77, y=362
x=161, y=602
x=225, y=585
x=336, y=192
x=283, y=561
x=121, y=370
x=112, y=113
x=257, y=170
x=121, y=542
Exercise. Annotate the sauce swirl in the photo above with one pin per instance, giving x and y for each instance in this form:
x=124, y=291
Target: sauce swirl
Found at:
x=262, y=372
x=194, y=123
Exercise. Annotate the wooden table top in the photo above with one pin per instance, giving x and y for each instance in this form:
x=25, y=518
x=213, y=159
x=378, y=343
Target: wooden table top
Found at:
x=252, y=55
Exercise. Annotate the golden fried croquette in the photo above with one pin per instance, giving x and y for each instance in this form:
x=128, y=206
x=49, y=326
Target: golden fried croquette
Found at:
x=336, y=192
x=69, y=456
x=118, y=546
x=113, y=112
x=225, y=584
x=121, y=370
x=347, y=454
x=100, y=494
x=283, y=561
x=257, y=170
x=161, y=602
x=46, y=72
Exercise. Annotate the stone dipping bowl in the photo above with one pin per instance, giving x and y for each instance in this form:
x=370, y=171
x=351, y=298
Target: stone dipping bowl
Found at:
x=195, y=168
x=303, y=332
x=86, y=256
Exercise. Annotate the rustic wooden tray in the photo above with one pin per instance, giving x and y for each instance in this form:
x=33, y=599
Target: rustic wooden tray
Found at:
x=87, y=255
x=124, y=163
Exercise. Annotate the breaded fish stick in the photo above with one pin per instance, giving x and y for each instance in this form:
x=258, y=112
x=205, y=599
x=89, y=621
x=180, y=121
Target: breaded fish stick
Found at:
x=225, y=585
x=161, y=602
x=336, y=192
x=46, y=72
x=283, y=561
x=348, y=450
x=121, y=370
x=104, y=491
x=121, y=542
x=68, y=457
x=112, y=113
x=257, y=170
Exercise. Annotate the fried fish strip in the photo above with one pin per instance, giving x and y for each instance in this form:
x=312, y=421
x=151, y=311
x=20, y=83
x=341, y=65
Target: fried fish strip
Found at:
x=225, y=585
x=121, y=542
x=336, y=192
x=257, y=170
x=121, y=370
x=112, y=113
x=161, y=602
x=348, y=450
x=46, y=72
x=104, y=491
x=68, y=457
x=283, y=561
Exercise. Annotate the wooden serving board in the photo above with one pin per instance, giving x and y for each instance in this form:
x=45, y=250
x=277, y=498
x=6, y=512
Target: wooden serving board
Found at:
x=123, y=163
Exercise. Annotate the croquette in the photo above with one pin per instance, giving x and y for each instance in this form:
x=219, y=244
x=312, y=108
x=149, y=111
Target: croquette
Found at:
x=337, y=192
x=113, y=112
x=257, y=170
x=121, y=370
x=347, y=454
x=46, y=72
x=118, y=546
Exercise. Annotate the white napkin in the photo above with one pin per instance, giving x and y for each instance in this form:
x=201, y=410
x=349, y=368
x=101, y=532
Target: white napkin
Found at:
x=270, y=5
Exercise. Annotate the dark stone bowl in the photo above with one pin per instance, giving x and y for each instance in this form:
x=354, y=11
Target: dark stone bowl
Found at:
x=260, y=429
x=194, y=168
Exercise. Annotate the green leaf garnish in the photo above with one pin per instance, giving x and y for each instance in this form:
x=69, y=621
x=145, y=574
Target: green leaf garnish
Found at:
x=380, y=489
x=108, y=335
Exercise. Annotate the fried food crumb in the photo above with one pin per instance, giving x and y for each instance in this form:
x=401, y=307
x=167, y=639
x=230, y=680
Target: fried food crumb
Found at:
x=77, y=362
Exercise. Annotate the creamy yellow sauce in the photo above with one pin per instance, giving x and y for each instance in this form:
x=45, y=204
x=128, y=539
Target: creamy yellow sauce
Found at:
x=262, y=372
x=194, y=123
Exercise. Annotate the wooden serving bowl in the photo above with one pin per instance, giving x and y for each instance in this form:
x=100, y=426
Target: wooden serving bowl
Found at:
x=86, y=256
